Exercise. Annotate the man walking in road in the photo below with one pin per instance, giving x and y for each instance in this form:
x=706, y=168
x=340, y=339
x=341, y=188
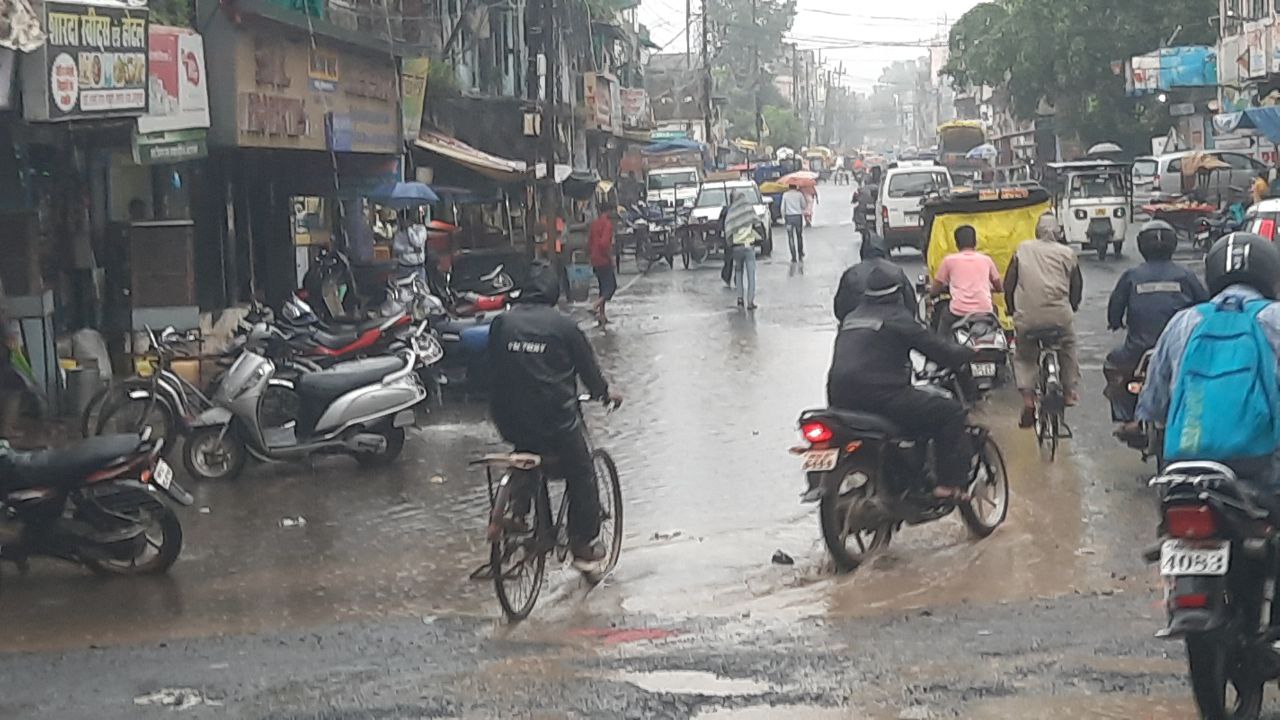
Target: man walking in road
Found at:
x=1042, y=289
x=600, y=248
x=793, y=209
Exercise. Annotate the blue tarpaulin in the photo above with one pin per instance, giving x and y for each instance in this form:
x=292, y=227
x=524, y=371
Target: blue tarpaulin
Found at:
x=1188, y=66
x=1266, y=120
x=673, y=145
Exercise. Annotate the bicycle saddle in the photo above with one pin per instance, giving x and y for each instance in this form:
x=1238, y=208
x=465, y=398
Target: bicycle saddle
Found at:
x=519, y=461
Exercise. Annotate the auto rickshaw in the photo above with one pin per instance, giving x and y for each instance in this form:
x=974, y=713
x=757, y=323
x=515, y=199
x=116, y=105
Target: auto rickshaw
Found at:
x=1092, y=199
x=1004, y=217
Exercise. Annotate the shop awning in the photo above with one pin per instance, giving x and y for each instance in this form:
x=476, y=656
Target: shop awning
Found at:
x=1266, y=120
x=491, y=166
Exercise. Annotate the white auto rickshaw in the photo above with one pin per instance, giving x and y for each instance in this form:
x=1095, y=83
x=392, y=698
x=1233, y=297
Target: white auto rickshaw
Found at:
x=1093, y=200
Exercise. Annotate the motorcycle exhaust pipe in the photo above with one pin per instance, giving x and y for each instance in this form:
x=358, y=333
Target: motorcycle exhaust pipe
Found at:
x=366, y=443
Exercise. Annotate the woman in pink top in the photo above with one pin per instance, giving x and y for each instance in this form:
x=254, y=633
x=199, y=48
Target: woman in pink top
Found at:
x=971, y=278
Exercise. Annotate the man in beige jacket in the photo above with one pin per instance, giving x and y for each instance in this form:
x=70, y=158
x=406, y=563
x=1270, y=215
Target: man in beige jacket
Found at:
x=1043, y=287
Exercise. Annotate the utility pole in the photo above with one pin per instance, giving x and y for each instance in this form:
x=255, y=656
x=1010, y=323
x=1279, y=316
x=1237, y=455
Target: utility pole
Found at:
x=706, y=80
x=551, y=49
x=755, y=74
x=688, y=34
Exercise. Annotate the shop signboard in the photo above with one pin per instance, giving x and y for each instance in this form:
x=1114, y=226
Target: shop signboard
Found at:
x=168, y=147
x=93, y=63
x=600, y=91
x=177, y=82
x=636, y=112
x=295, y=96
x=413, y=92
x=1257, y=37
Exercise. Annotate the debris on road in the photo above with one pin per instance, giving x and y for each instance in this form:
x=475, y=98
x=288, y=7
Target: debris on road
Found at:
x=669, y=535
x=176, y=698
x=288, y=522
x=438, y=479
x=781, y=558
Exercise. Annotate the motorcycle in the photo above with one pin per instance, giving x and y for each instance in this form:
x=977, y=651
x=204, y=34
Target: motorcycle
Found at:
x=1151, y=440
x=982, y=333
x=1217, y=559
x=359, y=408
x=104, y=503
x=869, y=478
x=1211, y=228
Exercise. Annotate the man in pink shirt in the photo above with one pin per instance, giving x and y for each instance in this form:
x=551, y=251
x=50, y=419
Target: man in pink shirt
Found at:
x=970, y=276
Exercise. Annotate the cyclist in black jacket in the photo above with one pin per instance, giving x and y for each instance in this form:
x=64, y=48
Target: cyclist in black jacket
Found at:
x=538, y=356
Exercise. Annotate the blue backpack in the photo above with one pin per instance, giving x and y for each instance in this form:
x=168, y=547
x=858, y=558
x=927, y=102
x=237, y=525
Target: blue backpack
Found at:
x=1225, y=400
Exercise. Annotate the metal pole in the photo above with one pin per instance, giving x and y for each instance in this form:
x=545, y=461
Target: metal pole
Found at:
x=706, y=80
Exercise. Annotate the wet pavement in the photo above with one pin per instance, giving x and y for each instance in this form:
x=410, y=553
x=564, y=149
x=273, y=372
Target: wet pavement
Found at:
x=366, y=610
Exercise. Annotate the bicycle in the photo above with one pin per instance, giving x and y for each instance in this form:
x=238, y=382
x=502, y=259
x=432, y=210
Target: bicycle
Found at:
x=1051, y=399
x=519, y=549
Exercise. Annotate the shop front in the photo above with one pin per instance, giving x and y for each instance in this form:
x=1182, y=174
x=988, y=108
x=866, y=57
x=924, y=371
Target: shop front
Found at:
x=80, y=93
x=302, y=127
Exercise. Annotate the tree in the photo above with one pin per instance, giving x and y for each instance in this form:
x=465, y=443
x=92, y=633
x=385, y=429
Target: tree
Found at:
x=1062, y=53
x=785, y=129
x=745, y=54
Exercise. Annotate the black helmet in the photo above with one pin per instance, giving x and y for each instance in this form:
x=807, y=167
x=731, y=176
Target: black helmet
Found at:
x=1157, y=240
x=1243, y=258
x=882, y=285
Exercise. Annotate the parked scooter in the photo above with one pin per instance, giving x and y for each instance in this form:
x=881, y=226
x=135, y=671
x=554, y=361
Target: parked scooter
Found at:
x=105, y=503
x=359, y=408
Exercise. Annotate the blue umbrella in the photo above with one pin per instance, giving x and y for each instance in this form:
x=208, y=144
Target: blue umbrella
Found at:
x=403, y=195
x=986, y=151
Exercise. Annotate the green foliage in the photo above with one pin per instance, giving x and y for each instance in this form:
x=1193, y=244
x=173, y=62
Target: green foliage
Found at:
x=739, y=47
x=785, y=129
x=178, y=13
x=1061, y=52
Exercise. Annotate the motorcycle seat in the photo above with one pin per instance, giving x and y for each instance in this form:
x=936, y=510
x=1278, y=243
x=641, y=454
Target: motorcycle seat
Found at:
x=340, y=336
x=856, y=422
x=66, y=466
x=322, y=387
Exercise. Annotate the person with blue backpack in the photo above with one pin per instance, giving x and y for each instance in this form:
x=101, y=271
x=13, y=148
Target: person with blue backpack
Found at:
x=1213, y=380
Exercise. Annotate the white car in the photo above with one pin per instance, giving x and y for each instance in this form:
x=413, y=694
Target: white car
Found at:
x=899, y=206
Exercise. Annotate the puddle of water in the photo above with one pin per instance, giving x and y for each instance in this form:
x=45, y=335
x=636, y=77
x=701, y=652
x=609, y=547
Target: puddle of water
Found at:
x=1079, y=707
x=691, y=682
x=779, y=712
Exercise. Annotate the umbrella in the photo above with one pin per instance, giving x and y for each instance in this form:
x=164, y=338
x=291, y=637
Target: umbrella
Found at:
x=403, y=195
x=442, y=226
x=1104, y=148
x=801, y=178
x=985, y=151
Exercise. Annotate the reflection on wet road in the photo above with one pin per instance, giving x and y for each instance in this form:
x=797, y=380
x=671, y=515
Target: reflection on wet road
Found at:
x=710, y=493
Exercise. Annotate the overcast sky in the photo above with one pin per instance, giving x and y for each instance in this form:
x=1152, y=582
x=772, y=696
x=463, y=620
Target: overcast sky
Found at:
x=826, y=24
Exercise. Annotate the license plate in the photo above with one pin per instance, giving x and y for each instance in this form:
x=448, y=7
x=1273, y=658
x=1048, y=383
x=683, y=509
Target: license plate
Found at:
x=983, y=370
x=1179, y=557
x=1100, y=212
x=163, y=474
x=821, y=460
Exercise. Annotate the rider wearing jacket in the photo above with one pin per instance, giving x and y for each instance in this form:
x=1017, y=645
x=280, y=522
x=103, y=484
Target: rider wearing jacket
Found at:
x=871, y=372
x=853, y=284
x=538, y=355
x=1144, y=300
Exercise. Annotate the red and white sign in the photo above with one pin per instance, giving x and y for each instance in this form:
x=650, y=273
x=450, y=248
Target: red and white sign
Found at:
x=176, y=81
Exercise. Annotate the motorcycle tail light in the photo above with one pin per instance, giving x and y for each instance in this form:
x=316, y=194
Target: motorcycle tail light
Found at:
x=1267, y=228
x=816, y=432
x=1191, y=522
x=1191, y=601
x=1135, y=388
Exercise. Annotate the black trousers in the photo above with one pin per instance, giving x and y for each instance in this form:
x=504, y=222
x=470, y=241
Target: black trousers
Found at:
x=573, y=464
x=920, y=414
x=1118, y=370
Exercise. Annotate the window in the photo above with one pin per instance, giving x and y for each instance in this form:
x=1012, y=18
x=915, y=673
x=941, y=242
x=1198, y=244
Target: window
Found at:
x=1097, y=186
x=667, y=181
x=1238, y=161
x=905, y=185
x=1144, y=170
x=1175, y=166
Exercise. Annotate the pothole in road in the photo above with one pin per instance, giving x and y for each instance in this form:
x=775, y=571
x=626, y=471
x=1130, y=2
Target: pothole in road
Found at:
x=682, y=682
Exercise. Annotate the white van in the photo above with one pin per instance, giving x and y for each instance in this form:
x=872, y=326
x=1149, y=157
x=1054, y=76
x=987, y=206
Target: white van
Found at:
x=902, y=193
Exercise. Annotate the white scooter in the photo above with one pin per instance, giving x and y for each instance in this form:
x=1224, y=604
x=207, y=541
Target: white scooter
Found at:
x=359, y=408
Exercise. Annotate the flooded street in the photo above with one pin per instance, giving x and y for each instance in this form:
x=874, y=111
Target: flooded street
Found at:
x=331, y=591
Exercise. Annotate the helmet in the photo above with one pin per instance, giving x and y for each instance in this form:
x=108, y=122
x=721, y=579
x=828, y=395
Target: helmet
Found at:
x=1243, y=258
x=1157, y=240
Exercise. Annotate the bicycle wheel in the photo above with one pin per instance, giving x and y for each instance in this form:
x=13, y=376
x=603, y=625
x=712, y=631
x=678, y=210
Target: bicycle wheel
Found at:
x=516, y=559
x=131, y=415
x=1055, y=422
x=606, y=478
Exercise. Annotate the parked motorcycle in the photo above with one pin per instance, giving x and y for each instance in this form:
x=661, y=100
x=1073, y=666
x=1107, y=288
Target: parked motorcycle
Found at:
x=359, y=408
x=105, y=503
x=869, y=478
x=1217, y=558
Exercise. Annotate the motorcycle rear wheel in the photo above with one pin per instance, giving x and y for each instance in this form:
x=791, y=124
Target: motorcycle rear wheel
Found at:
x=833, y=515
x=395, y=445
x=1214, y=674
x=163, y=534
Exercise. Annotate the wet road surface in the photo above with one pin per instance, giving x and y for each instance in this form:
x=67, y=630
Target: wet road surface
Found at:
x=365, y=610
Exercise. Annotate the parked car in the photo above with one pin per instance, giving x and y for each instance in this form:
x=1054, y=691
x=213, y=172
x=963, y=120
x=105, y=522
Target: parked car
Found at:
x=902, y=194
x=1168, y=173
x=713, y=198
x=1145, y=187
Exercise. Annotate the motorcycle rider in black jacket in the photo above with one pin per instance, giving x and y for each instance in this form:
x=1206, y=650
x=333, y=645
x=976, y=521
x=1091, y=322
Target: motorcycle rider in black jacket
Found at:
x=537, y=356
x=1145, y=298
x=871, y=373
x=853, y=284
